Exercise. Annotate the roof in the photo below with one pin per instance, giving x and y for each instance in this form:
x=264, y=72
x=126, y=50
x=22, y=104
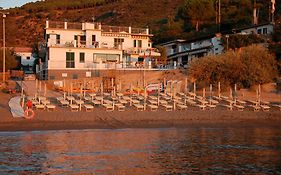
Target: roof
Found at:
x=22, y=49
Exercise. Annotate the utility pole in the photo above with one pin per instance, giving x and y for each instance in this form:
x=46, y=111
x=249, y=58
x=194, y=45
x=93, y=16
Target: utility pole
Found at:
x=4, y=46
x=218, y=15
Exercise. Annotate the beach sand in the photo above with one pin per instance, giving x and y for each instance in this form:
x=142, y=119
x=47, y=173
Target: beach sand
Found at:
x=63, y=118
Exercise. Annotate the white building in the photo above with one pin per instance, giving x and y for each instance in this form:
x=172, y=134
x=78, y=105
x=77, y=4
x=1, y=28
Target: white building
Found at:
x=76, y=48
x=25, y=56
x=183, y=51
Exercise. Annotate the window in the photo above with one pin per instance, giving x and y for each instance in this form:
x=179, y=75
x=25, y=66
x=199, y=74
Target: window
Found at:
x=137, y=43
x=83, y=40
x=259, y=31
x=28, y=58
x=82, y=57
x=70, y=63
x=264, y=30
x=47, y=37
x=58, y=39
x=140, y=43
x=93, y=39
x=149, y=45
x=74, y=76
x=118, y=42
x=75, y=37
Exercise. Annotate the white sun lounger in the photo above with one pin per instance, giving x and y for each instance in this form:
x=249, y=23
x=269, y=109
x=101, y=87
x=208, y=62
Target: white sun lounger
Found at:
x=265, y=108
x=120, y=107
x=108, y=107
x=88, y=108
x=64, y=103
x=40, y=106
x=74, y=107
x=139, y=107
x=181, y=107
x=255, y=108
x=202, y=107
x=210, y=106
x=228, y=107
x=168, y=107
x=153, y=107
x=50, y=107
x=278, y=106
x=239, y=107
x=96, y=102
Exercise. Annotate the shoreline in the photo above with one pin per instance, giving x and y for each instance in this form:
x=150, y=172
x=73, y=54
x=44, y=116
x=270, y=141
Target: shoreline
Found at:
x=66, y=120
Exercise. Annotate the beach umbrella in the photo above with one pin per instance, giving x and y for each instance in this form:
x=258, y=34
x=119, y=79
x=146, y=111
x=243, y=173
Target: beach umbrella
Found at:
x=164, y=85
x=194, y=89
x=219, y=90
x=45, y=89
x=40, y=88
x=145, y=97
x=120, y=86
x=235, y=93
x=211, y=93
x=71, y=92
x=84, y=88
x=158, y=94
x=185, y=85
x=64, y=88
x=230, y=93
x=259, y=94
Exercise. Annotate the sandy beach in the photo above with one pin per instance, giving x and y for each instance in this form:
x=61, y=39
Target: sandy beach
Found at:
x=63, y=118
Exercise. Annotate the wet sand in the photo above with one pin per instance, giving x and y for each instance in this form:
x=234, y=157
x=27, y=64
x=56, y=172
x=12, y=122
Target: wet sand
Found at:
x=63, y=118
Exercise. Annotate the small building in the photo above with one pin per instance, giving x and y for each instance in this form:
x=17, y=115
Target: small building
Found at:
x=75, y=49
x=261, y=29
x=25, y=57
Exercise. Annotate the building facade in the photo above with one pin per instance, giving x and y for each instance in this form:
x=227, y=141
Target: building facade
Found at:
x=25, y=57
x=75, y=49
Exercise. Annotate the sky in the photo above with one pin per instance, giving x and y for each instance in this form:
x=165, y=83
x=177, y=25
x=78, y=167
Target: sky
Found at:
x=13, y=3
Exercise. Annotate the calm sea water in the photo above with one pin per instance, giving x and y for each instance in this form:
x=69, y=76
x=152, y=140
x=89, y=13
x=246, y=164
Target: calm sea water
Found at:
x=237, y=150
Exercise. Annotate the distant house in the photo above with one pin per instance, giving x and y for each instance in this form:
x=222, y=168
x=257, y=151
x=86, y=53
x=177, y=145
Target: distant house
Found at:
x=261, y=29
x=25, y=57
x=183, y=51
x=73, y=50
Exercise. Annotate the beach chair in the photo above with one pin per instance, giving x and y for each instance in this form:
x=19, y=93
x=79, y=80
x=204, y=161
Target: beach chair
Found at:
x=153, y=107
x=168, y=107
x=202, y=107
x=265, y=108
x=40, y=106
x=241, y=102
x=211, y=106
x=239, y=107
x=255, y=107
x=88, y=108
x=74, y=107
x=120, y=107
x=181, y=107
x=64, y=103
x=50, y=107
x=108, y=107
x=96, y=102
x=139, y=107
x=277, y=106
x=191, y=102
x=163, y=102
x=228, y=107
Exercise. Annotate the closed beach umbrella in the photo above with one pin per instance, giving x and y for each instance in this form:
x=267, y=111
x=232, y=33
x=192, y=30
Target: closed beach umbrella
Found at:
x=219, y=89
x=230, y=93
x=211, y=89
x=45, y=89
x=204, y=93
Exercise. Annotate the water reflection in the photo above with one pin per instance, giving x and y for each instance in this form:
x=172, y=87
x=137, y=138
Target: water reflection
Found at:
x=143, y=151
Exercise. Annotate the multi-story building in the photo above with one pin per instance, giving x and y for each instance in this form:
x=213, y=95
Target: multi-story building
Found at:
x=74, y=49
x=183, y=51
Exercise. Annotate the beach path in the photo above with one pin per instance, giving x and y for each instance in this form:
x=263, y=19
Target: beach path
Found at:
x=15, y=107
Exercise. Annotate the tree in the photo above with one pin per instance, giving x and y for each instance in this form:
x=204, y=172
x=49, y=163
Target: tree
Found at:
x=10, y=60
x=200, y=11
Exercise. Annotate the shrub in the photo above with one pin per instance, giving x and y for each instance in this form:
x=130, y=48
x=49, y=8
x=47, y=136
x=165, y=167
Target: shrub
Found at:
x=245, y=67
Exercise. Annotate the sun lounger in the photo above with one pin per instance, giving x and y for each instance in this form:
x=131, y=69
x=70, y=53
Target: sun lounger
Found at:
x=120, y=107
x=278, y=106
x=265, y=108
x=202, y=107
x=241, y=102
x=88, y=107
x=50, y=107
x=108, y=107
x=39, y=106
x=153, y=107
x=64, y=103
x=87, y=98
x=228, y=107
x=153, y=102
x=96, y=102
x=239, y=107
x=59, y=98
x=181, y=107
x=255, y=108
x=124, y=102
x=210, y=106
x=163, y=102
x=191, y=102
x=74, y=107
x=45, y=102
x=139, y=107
x=168, y=107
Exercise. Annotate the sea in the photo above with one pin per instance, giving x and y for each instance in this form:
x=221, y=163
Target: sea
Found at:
x=164, y=151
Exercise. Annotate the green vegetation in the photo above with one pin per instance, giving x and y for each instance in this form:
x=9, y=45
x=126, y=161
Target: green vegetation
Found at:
x=246, y=67
x=10, y=59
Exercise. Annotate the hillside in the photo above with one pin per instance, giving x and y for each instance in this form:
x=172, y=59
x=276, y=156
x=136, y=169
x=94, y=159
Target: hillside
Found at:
x=166, y=19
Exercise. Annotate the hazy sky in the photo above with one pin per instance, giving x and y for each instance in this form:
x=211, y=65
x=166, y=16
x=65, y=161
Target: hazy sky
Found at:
x=13, y=3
